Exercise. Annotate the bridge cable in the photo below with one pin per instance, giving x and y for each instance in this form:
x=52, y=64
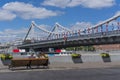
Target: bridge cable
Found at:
x=34, y=24
x=58, y=25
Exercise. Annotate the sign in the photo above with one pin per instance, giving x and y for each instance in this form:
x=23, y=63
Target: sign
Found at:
x=58, y=50
x=16, y=50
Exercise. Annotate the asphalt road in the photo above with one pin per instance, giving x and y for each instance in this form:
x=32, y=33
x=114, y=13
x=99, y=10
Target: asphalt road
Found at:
x=71, y=74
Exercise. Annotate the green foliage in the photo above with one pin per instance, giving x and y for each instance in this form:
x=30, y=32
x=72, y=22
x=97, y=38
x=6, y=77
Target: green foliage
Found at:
x=85, y=48
x=91, y=48
x=6, y=56
x=105, y=55
x=70, y=49
x=74, y=55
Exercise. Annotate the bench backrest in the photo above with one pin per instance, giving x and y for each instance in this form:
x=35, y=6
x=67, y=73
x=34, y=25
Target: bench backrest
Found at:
x=29, y=61
x=39, y=62
x=20, y=62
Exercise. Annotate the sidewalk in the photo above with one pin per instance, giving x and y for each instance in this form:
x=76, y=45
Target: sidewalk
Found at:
x=64, y=66
x=84, y=65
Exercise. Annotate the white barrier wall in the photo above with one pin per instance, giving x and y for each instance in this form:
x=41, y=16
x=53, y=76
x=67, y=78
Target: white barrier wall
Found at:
x=84, y=58
x=59, y=59
x=91, y=58
x=115, y=57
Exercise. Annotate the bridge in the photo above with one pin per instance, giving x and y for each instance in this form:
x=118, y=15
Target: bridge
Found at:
x=106, y=32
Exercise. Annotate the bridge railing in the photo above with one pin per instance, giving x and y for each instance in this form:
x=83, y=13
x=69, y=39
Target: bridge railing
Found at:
x=81, y=37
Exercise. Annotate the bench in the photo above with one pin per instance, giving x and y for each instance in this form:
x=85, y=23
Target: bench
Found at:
x=39, y=62
x=28, y=62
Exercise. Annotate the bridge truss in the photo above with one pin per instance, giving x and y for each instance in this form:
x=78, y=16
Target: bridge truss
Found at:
x=60, y=31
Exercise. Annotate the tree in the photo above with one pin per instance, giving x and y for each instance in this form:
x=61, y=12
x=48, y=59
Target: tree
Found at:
x=81, y=48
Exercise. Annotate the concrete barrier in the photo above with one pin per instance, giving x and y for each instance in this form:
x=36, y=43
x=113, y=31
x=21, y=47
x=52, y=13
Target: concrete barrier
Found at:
x=115, y=57
x=60, y=59
x=91, y=58
x=84, y=58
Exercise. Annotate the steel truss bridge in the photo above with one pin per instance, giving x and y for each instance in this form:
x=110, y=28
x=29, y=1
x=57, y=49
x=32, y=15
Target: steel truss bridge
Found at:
x=106, y=32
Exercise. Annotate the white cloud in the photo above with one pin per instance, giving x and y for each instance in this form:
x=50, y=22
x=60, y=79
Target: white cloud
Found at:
x=81, y=25
x=84, y=3
x=98, y=3
x=13, y=32
x=10, y=35
x=6, y=15
x=28, y=11
x=23, y=10
x=117, y=13
x=57, y=3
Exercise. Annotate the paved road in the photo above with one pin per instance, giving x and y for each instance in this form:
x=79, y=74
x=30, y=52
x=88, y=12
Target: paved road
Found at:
x=69, y=74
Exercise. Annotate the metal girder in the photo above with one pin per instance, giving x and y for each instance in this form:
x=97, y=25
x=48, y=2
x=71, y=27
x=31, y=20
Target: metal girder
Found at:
x=107, y=21
x=28, y=32
x=64, y=28
x=34, y=24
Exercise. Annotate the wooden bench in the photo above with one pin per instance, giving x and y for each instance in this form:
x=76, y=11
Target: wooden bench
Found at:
x=28, y=62
x=39, y=62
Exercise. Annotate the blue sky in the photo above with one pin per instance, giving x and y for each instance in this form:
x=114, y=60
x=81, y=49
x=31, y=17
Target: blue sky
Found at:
x=16, y=15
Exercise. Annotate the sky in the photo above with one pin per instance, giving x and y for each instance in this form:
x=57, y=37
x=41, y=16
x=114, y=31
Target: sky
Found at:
x=16, y=15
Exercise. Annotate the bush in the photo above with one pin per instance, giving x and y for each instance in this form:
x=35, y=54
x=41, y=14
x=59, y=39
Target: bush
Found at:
x=6, y=56
x=105, y=55
x=74, y=55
